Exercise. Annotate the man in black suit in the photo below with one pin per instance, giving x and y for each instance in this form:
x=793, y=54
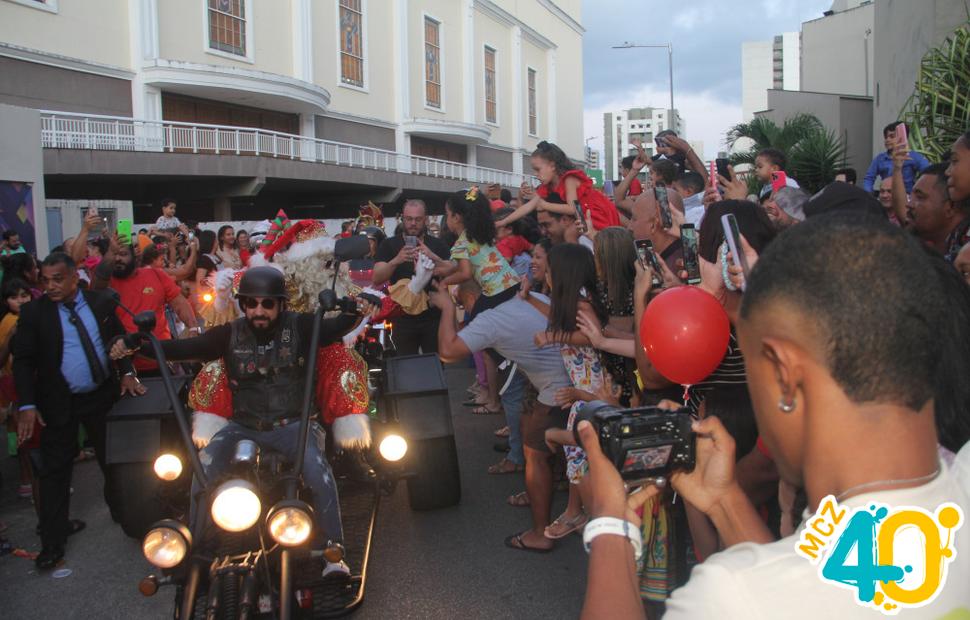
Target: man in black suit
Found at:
x=64, y=378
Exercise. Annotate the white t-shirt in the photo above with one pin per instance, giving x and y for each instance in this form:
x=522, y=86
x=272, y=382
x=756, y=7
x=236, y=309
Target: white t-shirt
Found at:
x=751, y=581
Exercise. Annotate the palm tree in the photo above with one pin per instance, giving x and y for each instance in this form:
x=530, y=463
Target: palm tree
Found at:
x=813, y=153
x=938, y=111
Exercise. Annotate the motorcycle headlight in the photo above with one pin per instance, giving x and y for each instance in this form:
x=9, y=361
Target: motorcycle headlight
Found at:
x=290, y=523
x=168, y=467
x=236, y=506
x=166, y=544
x=393, y=447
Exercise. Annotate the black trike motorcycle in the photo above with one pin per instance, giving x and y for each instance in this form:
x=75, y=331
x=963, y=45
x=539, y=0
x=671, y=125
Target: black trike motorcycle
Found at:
x=248, y=553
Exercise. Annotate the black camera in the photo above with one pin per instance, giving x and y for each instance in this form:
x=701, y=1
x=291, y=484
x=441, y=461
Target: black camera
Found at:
x=645, y=442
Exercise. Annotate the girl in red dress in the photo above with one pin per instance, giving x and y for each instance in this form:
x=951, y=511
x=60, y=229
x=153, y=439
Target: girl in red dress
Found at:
x=562, y=184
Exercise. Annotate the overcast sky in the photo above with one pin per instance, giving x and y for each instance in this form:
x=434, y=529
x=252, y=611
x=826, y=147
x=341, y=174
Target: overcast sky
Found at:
x=707, y=37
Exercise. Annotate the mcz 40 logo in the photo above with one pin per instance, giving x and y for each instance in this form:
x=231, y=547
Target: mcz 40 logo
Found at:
x=893, y=558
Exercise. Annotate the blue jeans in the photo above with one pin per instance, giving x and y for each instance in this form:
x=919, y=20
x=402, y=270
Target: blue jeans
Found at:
x=512, y=401
x=216, y=458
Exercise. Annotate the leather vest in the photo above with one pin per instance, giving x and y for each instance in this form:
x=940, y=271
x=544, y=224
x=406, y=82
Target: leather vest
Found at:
x=266, y=380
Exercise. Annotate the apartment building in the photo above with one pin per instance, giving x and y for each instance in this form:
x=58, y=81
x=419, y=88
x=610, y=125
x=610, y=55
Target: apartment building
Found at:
x=238, y=106
x=768, y=65
x=619, y=128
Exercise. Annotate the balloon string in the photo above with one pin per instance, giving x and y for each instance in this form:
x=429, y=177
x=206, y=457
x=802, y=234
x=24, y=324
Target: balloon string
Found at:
x=686, y=395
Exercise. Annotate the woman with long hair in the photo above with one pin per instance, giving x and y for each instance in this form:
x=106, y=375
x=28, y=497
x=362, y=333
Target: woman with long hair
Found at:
x=474, y=256
x=571, y=281
x=227, y=250
x=615, y=257
x=562, y=185
x=540, y=261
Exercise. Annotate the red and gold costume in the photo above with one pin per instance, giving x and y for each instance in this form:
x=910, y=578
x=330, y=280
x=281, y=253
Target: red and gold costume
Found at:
x=302, y=251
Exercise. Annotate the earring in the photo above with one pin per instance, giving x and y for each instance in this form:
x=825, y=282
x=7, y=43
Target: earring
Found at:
x=786, y=407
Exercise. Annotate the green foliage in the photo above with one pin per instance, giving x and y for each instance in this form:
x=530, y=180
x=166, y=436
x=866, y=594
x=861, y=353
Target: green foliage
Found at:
x=814, y=154
x=938, y=111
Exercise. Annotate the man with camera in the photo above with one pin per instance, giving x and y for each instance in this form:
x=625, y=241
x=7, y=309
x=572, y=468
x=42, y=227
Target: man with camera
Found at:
x=846, y=408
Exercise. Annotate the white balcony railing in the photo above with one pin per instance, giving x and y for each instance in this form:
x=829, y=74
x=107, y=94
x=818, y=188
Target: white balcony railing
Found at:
x=67, y=130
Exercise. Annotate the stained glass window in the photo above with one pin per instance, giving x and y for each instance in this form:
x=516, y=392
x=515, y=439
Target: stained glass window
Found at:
x=432, y=63
x=227, y=26
x=351, y=43
x=491, y=113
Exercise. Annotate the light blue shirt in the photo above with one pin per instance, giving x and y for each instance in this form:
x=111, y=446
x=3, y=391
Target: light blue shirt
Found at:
x=74, y=364
x=510, y=329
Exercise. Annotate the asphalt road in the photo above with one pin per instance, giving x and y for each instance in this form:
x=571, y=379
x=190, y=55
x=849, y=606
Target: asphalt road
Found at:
x=449, y=563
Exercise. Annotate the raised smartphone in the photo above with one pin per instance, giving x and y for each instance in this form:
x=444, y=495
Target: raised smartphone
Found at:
x=648, y=258
x=661, y=193
x=688, y=238
x=778, y=180
x=722, y=167
x=580, y=216
x=124, y=231
x=733, y=237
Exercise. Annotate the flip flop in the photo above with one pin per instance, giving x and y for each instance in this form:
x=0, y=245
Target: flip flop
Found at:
x=576, y=524
x=483, y=410
x=503, y=432
x=505, y=466
x=519, y=500
x=515, y=542
x=473, y=403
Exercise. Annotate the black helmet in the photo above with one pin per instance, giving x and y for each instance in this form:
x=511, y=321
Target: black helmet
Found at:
x=262, y=282
x=375, y=233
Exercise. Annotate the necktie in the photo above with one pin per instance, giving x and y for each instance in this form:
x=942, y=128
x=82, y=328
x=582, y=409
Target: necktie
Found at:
x=97, y=370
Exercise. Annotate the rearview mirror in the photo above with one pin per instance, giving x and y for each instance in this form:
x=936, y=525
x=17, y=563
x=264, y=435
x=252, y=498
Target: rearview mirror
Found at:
x=349, y=248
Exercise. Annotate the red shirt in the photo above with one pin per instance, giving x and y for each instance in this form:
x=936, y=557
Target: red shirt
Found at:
x=148, y=288
x=512, y=246
x=636, y=188
x=595, y=203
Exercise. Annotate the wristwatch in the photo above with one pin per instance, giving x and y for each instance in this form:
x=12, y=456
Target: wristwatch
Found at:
x=617, y=527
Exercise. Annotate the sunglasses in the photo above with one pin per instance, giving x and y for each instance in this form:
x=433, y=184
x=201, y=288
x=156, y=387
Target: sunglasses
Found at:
x=251, y=304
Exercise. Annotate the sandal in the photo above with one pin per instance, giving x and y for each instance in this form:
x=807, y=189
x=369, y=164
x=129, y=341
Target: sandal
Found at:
x=562, y=527
x=515, y=542
x=505, y=466
x=519, y=500
x=503, y=432
x=483, y=410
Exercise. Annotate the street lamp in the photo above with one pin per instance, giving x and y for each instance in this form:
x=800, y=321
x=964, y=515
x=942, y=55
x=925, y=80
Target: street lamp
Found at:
x=670, y=61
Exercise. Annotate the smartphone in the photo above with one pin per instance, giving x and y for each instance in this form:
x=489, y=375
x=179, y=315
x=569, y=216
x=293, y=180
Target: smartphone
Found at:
x=661, y=193
x=124, y=230
x=722, y=167
x=688, y=238
x=733, y=236
x=92, y=211
x=778, y=180
x=647, y=258
x=580, y=216
x=410, y=241
x=660, y=142
x=902, y=135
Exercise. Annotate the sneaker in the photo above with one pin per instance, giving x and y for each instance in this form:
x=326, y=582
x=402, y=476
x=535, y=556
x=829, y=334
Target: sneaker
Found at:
x=25, y=491
x=336, y=570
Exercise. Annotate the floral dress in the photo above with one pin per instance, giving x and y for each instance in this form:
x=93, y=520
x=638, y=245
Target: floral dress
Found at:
x=586, y=373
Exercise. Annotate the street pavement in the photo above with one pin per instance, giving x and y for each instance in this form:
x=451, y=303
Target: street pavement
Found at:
x=448, y=563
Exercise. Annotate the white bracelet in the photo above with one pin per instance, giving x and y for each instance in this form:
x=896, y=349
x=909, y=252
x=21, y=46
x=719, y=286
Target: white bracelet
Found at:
x=618, y=527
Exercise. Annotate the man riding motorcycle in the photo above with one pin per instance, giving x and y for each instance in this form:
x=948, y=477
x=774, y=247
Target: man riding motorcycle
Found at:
x=264, y=353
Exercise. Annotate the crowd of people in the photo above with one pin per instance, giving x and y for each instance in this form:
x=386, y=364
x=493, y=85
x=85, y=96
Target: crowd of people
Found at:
x=844, y=371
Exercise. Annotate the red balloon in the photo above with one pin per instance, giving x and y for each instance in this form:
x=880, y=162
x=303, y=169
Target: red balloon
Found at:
x=685, y=333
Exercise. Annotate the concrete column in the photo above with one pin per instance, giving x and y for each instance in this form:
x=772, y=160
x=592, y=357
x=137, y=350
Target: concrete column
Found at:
x=518, y=103
x=221, y=210
x=552, y=121
x=402, y=93
x=308, y=130
x=468, y=52
x=472, y=156
x=302, y=28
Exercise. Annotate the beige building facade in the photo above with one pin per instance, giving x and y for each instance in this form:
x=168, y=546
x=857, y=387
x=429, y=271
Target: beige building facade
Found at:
x=475, y=84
